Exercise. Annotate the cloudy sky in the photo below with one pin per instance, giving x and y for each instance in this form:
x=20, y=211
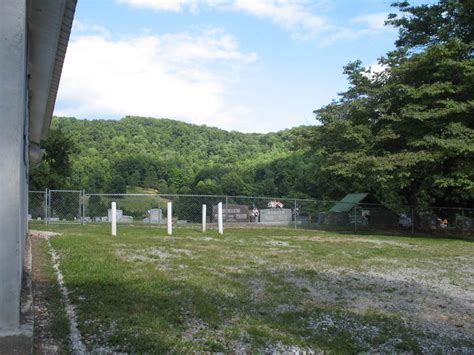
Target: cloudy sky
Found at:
x=247, y=65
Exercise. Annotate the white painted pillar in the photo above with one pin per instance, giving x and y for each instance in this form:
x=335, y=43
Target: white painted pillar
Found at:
x=170, y=218
x=13, y=159
x=114, y=219
x=204, y=213
x=219, y=218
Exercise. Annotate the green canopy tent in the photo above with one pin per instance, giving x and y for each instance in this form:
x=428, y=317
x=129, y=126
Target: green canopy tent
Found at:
x=361, y=209
x=350, y=201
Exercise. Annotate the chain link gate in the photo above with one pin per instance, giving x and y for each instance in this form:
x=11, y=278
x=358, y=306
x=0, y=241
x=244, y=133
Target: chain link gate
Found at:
x=64, y=206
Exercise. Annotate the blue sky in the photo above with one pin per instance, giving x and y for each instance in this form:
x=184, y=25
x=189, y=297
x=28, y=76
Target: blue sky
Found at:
x=247, y=65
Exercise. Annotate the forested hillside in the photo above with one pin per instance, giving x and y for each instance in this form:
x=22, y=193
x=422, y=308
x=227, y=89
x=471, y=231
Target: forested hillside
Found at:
x=176, y=157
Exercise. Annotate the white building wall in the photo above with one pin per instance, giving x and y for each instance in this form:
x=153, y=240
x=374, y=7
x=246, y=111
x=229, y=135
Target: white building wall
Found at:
x=13, y=157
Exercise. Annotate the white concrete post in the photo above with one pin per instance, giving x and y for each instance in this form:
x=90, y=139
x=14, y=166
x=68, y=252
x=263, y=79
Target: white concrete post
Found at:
x=204, y=213
x=170, y=218
x=114, y=219
x=219, y=218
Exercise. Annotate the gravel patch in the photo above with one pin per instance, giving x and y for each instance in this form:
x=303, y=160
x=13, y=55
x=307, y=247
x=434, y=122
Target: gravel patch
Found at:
x=152, y=255
x=277, y=243
x=356, y=240
x=42, y=234
x=426, y=305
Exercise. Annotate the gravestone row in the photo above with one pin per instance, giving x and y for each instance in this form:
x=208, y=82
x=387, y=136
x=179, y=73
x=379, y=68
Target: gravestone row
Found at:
x=231, y=213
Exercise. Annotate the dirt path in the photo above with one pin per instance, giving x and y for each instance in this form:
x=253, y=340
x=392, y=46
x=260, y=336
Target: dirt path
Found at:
x=50, y=323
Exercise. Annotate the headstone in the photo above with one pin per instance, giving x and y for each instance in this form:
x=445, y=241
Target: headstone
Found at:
x=104, y=219
x=125, y=219
x=181, y=221
x=276, y=216
x=119, y=214
x=232, y=213
x=53, y=219
x=29, y=217
x=156, y=215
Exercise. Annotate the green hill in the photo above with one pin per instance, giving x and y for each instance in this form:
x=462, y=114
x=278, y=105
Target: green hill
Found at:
x=176, y=157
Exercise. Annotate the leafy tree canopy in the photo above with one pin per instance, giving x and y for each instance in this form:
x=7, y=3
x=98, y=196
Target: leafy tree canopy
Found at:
x=55, y=169
x=406, y=134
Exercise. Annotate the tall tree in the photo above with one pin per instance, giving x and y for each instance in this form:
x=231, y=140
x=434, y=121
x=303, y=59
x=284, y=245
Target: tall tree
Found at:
x=407, y=133
x=54, y=170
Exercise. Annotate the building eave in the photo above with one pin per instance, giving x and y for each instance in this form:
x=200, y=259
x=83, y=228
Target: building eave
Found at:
x=49, y=23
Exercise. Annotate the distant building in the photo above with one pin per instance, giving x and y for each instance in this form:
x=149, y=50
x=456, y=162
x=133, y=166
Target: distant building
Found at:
x=34, y=35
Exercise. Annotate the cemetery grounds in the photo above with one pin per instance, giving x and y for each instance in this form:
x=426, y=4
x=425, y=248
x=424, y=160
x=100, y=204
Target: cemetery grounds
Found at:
x=254, y=289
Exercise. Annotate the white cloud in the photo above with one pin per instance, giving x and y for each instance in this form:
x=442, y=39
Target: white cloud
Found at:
x=362, y=27
x=81, y=28
x=372, y=21
x=172, y=75
x=305, y=19
x=346, y=33
x=377, y=68
x=294, y=15
x=164, y=5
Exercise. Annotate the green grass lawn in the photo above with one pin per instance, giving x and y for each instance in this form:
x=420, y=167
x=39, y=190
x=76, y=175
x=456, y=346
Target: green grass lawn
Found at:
x=267, y=290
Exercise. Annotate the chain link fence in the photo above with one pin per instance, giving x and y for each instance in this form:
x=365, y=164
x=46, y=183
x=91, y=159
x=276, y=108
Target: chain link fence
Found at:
x=149, y=208
x=37, y=205
x=65, y=206
x=75, y=206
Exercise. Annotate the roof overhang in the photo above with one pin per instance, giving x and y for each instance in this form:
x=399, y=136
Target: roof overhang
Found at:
x=49, y=27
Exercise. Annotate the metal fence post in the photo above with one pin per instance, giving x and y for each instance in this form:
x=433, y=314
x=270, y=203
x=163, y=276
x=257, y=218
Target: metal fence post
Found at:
x=355, y=219
x=412, y=219
x=82, y=206
x=48, y=203
x=226, y=208
x=294, y=214
x=159, y=207
x=45, y=200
